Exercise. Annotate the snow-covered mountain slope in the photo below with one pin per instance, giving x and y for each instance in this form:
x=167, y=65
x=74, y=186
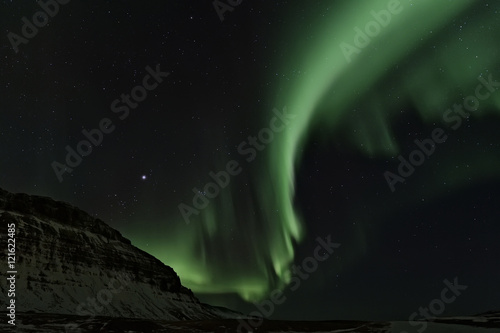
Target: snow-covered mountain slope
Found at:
x=69, y=262
x=74, y=271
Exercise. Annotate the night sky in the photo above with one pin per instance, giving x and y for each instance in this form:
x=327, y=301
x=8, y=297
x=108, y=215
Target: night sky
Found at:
x=349, y=105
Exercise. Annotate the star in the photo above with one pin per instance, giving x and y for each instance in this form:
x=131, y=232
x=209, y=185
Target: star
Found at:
x=144, y=177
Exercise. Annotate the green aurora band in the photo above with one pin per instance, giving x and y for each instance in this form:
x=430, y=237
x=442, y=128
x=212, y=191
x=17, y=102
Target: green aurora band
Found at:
x=418, y=59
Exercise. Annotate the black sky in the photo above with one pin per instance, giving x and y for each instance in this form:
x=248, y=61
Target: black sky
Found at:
x=397, y=248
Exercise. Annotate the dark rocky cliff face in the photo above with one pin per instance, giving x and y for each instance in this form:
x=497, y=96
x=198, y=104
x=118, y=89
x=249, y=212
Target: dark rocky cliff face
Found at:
x=69, y=262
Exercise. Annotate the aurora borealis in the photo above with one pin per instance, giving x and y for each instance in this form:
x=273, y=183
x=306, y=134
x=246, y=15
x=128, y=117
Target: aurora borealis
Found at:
x=323, y=174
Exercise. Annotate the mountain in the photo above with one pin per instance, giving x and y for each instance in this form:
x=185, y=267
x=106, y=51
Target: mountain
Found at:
x=69, y=262
x=77, y=274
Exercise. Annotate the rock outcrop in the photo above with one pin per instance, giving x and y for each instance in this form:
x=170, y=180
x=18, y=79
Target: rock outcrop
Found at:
x=69, y=262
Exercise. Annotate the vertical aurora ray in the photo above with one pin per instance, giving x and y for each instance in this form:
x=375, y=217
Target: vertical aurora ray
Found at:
x=418, y=59
x=395, y=69
x=331, y=86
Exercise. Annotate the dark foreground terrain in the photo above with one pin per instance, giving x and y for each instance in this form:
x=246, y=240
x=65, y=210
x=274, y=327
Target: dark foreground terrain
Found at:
x=30, y=322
